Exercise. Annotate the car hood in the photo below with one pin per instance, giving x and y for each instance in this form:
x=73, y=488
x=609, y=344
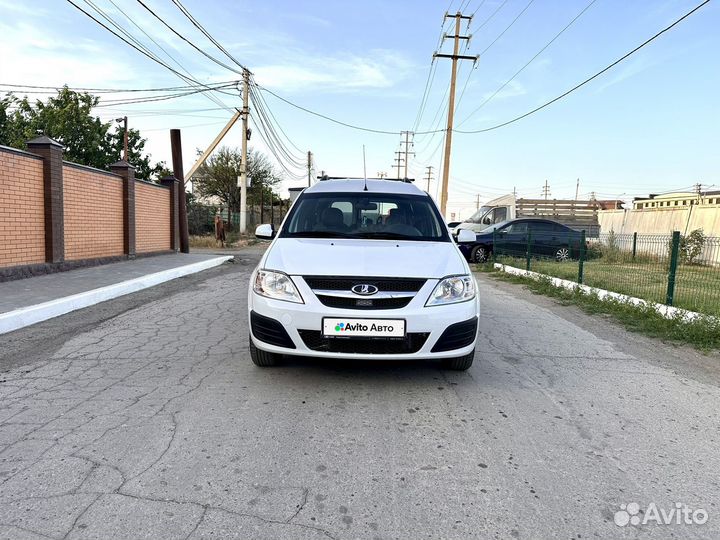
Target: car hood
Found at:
x=359, y=257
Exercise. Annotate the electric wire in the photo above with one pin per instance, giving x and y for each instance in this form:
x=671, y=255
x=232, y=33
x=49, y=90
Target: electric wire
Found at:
x=186, y=40
x=140, y=49
x=591, y=78
x=488, y=99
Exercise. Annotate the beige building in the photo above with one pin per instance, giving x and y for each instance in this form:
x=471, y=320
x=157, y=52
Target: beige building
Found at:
x=677, y=200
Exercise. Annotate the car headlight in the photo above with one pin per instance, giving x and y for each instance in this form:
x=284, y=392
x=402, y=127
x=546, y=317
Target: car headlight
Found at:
x=276, y=285
x=452, y=290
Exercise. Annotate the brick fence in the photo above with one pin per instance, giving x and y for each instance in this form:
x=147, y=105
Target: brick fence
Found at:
x=56, y=215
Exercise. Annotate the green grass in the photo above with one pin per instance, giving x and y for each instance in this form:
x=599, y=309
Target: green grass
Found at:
x=702, y=333
x=697, y=288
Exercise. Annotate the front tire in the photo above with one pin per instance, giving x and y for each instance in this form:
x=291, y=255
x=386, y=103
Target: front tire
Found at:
x=460, y=363
x=263, y=358
x=562, y=254
x=479, y=254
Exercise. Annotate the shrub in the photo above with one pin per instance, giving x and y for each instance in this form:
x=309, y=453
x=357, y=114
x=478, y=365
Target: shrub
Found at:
x=691, y=246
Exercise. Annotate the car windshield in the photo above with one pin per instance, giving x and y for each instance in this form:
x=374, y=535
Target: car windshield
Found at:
x=478, y=215
x=380, y=216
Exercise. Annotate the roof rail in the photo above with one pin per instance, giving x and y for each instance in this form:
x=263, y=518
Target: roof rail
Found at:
x=325, y=177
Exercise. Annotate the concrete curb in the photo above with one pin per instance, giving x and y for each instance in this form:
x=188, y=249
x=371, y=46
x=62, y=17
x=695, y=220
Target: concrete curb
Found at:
x=22, y=317
x=669, y=312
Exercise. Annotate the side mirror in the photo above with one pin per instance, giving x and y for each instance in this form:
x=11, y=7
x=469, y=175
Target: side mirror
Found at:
x=465, y=235
x=265, y=231
x=486, y=221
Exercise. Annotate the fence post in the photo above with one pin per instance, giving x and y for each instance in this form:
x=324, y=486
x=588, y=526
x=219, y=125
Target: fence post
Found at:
x=634, y=250
x=494, y=247
x=173, y=185
x=581, y=261
x=675, y=248
x=127, y=172
x=527, y=252
x=51, y=152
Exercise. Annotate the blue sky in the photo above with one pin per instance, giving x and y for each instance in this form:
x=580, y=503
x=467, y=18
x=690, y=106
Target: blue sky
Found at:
x=649, y=125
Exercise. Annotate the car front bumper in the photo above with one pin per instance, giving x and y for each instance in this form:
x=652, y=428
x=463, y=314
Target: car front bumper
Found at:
x=305, y=319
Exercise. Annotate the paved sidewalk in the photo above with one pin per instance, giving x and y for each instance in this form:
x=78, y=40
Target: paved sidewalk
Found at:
x=28, y=301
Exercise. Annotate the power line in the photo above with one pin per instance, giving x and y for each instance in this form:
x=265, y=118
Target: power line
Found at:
x=491, y=15
x=528, y=62
x=314, y=113
x=140, y=49
x=186, y=40
x=214, y=99
x=114, y=90
x=207, y=34
x=577, y=86
x=501, y=34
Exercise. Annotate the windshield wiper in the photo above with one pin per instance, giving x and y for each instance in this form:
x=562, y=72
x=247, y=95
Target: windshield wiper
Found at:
x=387, y=236
x=319, y=234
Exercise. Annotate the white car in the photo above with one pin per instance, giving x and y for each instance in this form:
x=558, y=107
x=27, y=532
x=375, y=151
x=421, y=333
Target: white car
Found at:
x=363, y=269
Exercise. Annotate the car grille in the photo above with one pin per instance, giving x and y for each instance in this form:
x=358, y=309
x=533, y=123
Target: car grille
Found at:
x=346, y=283
x=315, y=341
x=457, y=336
x=394, y=293
x=366, y=302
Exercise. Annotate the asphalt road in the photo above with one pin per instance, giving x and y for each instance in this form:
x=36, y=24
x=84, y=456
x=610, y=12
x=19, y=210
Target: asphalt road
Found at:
x=144, y=418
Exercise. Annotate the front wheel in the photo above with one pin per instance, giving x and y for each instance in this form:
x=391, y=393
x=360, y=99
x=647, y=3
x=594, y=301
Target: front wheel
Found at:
x=460, y=363
x=479, y=254
x=562, y=254
x=263, y=358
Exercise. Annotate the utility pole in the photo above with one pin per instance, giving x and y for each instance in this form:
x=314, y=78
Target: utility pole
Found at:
x=546, y=190
x=514, y=192
x=698, y=190
x=243, y=205
x=309, y=166
x=407, y=143
x=577, y=189
x=429, y=176
x=397, y=161
x=477, y=202
x=451, y=105
x=244, y=158
x=125, y=136
x=381, y=174
x=176, y=149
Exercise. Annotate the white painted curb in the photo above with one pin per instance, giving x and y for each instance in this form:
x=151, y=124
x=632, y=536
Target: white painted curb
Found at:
x=19, y=318
x=669, y=312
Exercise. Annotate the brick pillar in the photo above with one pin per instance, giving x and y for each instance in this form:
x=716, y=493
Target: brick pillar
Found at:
x=127, y=173
x=52, y=154
x=172, y=183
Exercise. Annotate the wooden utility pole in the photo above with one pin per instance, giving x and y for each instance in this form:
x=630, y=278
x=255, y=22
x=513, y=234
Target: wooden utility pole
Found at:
x=407, y=143
x=577, y=189
x=176, y=148
x=429, y=176
x=210, y=149
x=451, y=105
x=477, y=202
x=309, y=166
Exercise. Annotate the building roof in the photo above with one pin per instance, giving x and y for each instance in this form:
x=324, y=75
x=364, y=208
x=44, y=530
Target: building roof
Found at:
x=358, y=185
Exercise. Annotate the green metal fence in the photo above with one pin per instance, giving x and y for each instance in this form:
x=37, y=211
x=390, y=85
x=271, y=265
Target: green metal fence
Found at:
x=674, y=269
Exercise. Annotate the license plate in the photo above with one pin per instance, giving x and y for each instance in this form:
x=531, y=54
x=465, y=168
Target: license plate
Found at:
x=385, y=328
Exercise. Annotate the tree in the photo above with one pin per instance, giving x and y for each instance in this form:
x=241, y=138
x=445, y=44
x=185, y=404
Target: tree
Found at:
x=217, y=177
x=68, y=119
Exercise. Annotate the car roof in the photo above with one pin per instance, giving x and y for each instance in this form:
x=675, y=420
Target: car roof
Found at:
x=358, y=185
